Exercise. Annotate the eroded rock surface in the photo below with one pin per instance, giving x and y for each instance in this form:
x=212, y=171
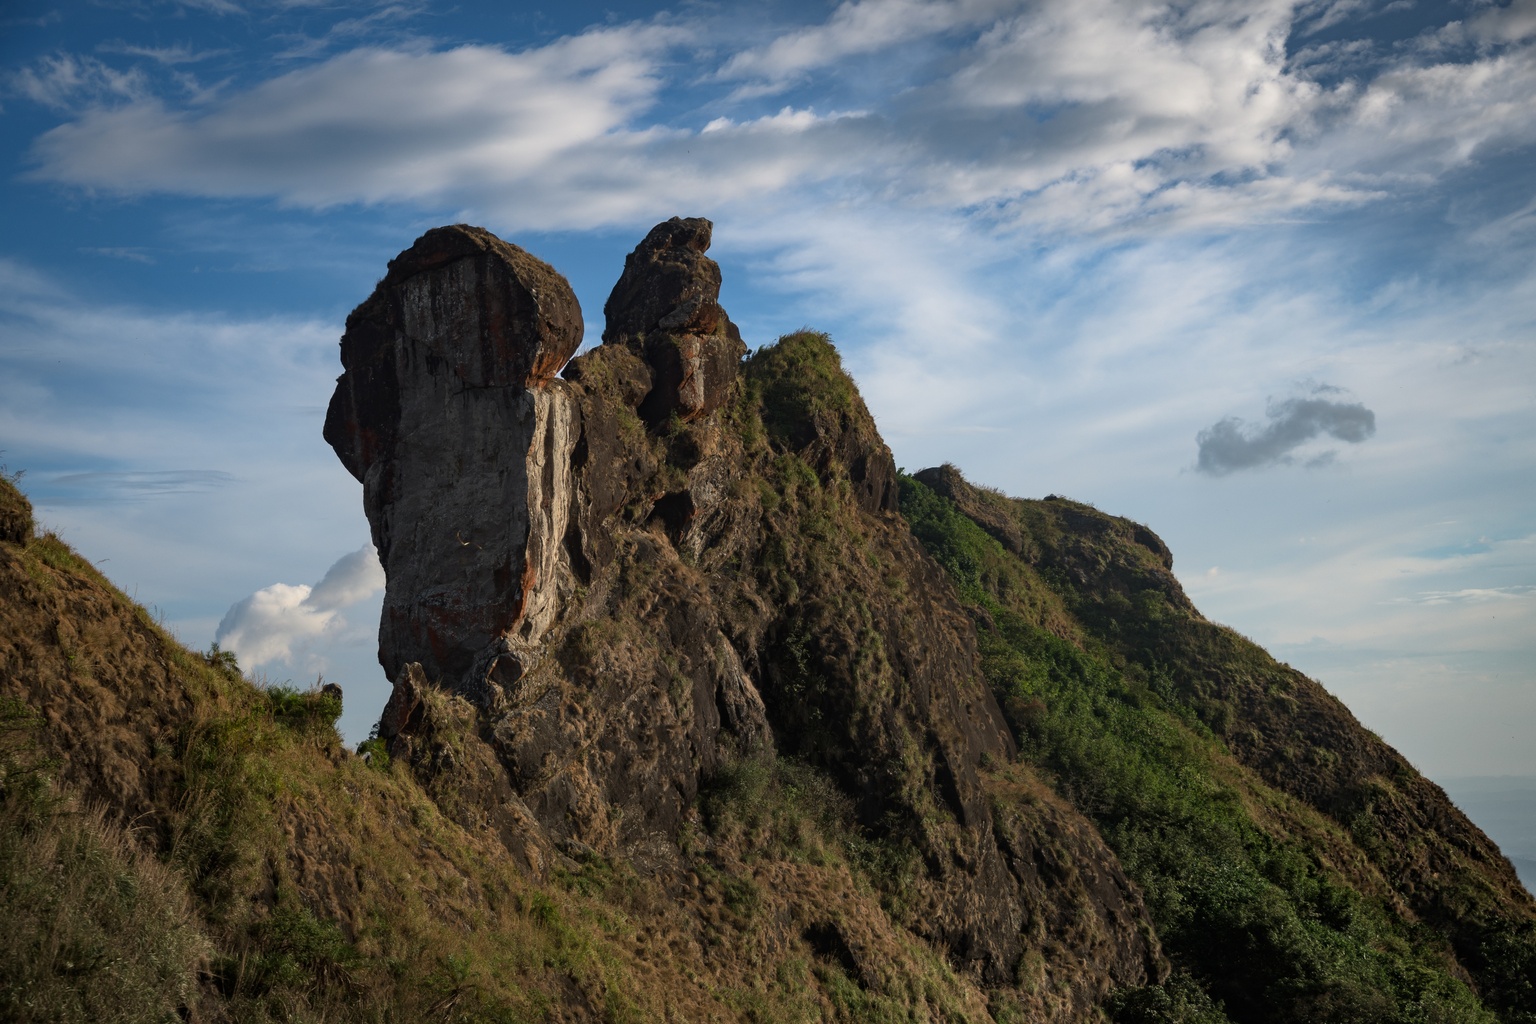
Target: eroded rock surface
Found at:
x=670, y=563
x=450, y=414
x=666, y=307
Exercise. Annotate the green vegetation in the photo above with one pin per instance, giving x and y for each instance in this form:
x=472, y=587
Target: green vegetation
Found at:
x=762, y=814
x=798, y=383
x=266, y=873
x=95, y=930
x=178, y=841
x=1238, y=877
x=269, y=874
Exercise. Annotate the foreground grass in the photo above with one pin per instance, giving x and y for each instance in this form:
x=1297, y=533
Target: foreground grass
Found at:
x=177, y=841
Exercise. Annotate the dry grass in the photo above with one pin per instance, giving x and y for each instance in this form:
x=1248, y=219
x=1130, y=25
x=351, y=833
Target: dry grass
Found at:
x=274, y=875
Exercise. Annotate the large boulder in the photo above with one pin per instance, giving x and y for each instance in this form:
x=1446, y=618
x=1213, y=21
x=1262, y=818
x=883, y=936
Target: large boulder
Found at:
x=666, y=307
x=450, y=415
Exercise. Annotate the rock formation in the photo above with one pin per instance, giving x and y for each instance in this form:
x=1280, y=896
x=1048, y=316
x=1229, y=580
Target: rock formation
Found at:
x=666, y=309
x=583, y=558
x=450, y=415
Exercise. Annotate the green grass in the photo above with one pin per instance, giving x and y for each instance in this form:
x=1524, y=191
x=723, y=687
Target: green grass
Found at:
x=96, y=929
x=1248, y=911
x=796, y=382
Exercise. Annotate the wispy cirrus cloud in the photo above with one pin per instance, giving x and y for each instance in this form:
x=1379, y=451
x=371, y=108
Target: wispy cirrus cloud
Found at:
x=167, y=55
x=65, y=81
x=1047, y=114
x=854, y=28
x=1475, y=595
x=125, y=485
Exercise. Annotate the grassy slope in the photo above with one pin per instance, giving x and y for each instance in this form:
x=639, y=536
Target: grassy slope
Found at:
x=1271, y=834
x=175, y=838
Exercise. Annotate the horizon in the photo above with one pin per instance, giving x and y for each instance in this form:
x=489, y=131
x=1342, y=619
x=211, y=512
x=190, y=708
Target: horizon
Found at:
x=1261, y=281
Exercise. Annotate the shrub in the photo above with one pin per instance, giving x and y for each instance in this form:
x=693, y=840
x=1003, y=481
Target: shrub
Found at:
x=303, y=709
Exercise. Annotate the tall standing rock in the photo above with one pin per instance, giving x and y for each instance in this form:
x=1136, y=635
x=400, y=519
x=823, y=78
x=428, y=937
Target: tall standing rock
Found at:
x=666, y=308
x=450, y=415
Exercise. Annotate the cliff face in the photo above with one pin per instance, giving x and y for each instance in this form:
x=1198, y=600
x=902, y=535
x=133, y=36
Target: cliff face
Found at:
x=705, y=569
x=448, y=417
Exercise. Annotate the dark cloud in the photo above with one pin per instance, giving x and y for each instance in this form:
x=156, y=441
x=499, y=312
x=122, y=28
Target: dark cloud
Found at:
x=1230, y=445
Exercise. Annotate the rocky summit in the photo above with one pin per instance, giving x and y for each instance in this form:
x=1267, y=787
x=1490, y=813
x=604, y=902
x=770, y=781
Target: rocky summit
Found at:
x=702, y=710
x=576, y=556
x=666, y=308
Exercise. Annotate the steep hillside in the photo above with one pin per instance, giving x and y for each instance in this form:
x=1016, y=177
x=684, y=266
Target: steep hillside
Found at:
x=175, y=840
x=1297, y=867
x=702, y=712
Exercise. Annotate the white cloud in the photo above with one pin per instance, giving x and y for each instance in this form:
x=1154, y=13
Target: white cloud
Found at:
x=168, y=55
x=1063, y=115
x=279, y=623
x=64, y=81
x=1476, y=595
x=372, y=125
x=1514, y=22
x=857, y=27
x=1423, y=120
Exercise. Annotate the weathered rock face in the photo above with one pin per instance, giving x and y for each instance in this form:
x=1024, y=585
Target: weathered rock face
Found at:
x=648, y=571
x=450, y=414
x=666, y=308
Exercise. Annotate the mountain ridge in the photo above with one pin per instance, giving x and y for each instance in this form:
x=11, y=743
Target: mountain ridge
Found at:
x=702, y=702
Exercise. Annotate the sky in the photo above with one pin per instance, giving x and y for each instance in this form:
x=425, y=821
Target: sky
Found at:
x=1256, y=273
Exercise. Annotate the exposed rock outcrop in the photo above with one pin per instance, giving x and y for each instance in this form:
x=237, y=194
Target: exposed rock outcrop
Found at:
x=649, y=571
x=666, y=307
x=450, y=415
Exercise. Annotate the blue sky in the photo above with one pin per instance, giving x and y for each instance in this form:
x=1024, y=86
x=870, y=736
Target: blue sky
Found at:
x=1257, y=273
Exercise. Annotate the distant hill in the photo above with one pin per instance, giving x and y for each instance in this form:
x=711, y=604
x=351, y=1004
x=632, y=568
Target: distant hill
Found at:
x=704, y=711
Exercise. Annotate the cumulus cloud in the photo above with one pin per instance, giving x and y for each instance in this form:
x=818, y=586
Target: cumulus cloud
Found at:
x=1230, y=445
x=277, y=623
